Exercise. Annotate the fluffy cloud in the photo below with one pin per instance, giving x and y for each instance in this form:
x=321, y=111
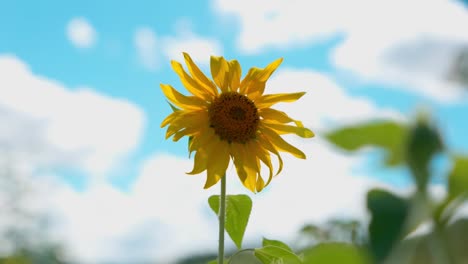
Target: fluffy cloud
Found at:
x=145, y=43
x=161, y=217
x=150, y=48
x=411, y=44
x=48, y=124
x=81, y=33
x=327, y=104
x=185, y=40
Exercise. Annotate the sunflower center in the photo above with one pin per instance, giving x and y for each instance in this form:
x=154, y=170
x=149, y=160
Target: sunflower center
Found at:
x=234, y=117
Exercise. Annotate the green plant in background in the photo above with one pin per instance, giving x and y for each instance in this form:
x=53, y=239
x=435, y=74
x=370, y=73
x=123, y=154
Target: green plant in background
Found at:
x=394, y=217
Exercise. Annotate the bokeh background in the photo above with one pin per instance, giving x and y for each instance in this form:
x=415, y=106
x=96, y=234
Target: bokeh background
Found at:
x=86, y=175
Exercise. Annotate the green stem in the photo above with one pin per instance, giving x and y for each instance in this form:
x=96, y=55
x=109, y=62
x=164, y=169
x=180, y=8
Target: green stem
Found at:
x=222, y=219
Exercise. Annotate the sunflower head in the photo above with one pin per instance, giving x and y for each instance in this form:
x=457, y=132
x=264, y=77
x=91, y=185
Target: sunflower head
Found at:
x=229, y=119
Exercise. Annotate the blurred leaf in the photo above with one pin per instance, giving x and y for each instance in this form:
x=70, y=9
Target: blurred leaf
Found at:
x=457, y=190
x=238, y=208
x=384, y=134
x=341, y=253
x=16, y=260
x=429, y=249
x=458, y=178
x=246, y=256
x=309, y=229
x=422, y=144
x=389, y=213
x=276, y=243
x=274, y=254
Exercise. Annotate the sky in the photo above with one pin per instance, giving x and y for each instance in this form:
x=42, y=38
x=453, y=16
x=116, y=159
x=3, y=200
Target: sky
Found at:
x=81, y=108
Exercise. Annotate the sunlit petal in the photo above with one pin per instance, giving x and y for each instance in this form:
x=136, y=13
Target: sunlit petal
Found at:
x=220, y=72
x=281, y=144
x=190, y=84
x=198, y=75
x=271, y=99
x=180, y=100
x=286, y=129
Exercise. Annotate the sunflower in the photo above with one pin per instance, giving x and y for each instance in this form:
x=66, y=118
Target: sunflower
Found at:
x=231, y=119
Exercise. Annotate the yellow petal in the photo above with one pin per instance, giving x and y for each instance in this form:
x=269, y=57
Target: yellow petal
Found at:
x=264, y=156
x=205, y=136
x=235, y=74
x=244, y=169
x=238, y=156
x=170, y=118
x=265, y=74
x=199, y=163
x=198, y=75
x=281, y=144
x=256, y=90
x=258, y=153
x=260, y=184
x=189, y=131
x=192, y=86
x=187, y=118
x=254, y=82
x=273, y=115
x=180, y=100
x=252, y=167
x=192, y=121
x=265, y=142
x=286, y=129
x=271, y=99
x=220, y=71
x=218, y=161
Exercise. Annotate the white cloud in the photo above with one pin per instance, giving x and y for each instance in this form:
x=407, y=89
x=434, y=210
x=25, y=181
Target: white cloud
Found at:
x=200, y=48
x=281, y=23
x=325, y=104
x=408, y=44
x=414, y=53
x=150, y=48
x=146, y=45
x=161, y=217
x=81, y=33
x=49, y=124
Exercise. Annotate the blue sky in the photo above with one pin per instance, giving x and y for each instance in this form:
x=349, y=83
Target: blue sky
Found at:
x=83, y=78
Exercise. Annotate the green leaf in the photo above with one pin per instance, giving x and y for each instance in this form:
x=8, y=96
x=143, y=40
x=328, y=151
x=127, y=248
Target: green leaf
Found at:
x=389, y=214
x=458, y=178
x=276, y=243
x=274, y=254
x=341, y=253
x=422, y=144
x=246, y=256
x=384, y=134
x=457, y=190
x=238, y=208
